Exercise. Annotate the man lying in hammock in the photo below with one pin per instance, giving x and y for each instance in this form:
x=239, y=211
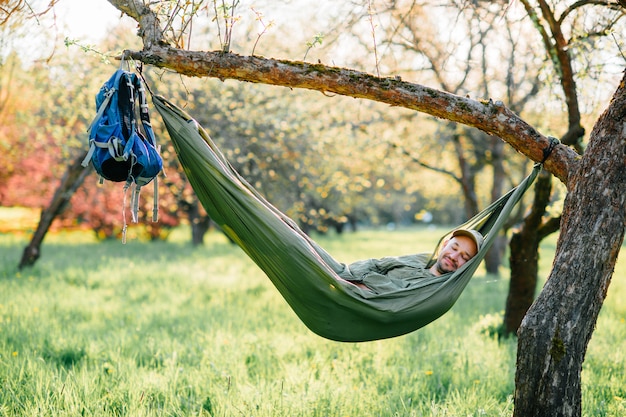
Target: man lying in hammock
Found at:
x=366, y=300
x=378, y=275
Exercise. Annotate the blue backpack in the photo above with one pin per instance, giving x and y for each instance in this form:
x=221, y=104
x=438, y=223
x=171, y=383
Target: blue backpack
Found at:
x=118, y=150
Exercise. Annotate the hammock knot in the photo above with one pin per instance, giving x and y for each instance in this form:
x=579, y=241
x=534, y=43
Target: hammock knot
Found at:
x=547, y=151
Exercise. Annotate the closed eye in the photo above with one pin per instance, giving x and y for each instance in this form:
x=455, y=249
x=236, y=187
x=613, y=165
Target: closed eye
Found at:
x=465, y=256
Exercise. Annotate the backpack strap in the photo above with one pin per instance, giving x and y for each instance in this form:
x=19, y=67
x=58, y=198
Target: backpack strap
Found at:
x=134, y=200
x=107, y=98
x=155, y=205
x=125, y=227
x=126, y=103
x=103, y=106
x=144, y=115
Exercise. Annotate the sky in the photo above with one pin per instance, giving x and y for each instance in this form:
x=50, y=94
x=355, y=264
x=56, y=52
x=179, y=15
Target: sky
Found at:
x=86, y=20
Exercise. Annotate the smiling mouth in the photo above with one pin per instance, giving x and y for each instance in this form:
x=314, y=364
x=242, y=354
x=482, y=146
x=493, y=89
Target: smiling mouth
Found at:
x=449, y=262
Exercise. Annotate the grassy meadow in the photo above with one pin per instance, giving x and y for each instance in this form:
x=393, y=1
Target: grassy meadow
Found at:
x=166, y=329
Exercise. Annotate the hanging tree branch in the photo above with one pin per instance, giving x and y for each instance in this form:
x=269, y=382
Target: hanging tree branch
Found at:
x=492, y=117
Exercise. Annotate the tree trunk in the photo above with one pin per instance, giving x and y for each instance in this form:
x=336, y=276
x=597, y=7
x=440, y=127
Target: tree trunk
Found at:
x=493, y=258
x=467, y=179
x=554, y=335
x=353, y=221
x=71, y=180
x=524, y=258
x=199, y=224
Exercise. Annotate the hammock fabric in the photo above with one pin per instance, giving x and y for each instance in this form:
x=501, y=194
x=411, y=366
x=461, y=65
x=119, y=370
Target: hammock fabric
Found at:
x=304, y=273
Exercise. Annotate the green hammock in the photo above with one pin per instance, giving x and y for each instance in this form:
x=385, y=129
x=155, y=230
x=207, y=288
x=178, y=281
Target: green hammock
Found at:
x=304, y=273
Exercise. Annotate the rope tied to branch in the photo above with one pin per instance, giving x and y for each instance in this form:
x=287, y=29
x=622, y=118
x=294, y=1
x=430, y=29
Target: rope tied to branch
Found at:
x=547, y=151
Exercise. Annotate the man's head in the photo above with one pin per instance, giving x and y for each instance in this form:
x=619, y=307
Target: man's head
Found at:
x=473, y=235
x=460, y=248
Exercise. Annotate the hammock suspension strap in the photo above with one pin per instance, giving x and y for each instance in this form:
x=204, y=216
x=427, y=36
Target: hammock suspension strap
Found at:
x=548, y=151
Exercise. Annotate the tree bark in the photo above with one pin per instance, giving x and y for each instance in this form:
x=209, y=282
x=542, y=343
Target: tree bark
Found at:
x=554, y=335
x=71, y=180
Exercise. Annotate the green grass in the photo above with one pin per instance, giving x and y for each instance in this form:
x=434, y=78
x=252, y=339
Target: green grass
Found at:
x=165, y=329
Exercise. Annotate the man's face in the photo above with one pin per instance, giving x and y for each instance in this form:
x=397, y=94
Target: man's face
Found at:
x=454, y=254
